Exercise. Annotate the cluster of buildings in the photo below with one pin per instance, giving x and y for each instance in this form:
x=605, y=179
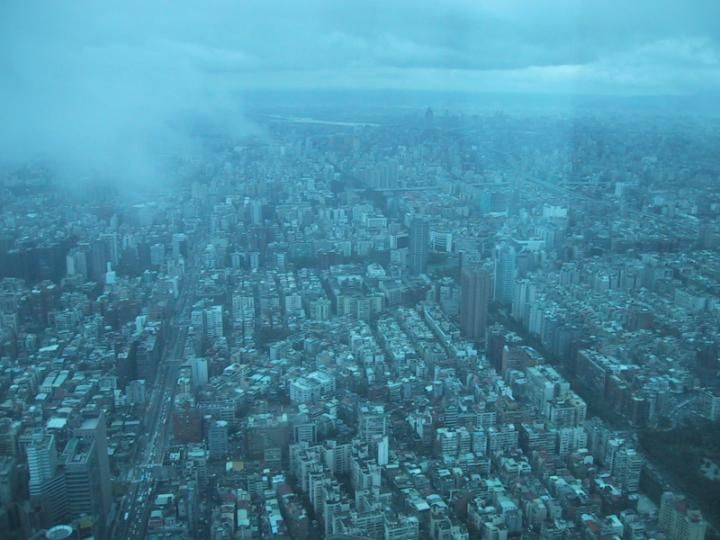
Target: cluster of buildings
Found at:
x=394, y=332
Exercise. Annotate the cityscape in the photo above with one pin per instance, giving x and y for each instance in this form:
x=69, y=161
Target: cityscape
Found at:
x=387, y=314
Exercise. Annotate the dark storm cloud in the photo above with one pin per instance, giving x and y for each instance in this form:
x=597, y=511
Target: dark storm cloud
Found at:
x=110, y=86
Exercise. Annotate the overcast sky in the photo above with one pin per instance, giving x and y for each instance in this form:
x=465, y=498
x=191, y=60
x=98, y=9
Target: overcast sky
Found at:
x=107, y=78
x=598, y=46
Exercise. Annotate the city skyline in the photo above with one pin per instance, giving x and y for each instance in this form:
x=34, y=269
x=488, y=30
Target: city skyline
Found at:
x=360, y=270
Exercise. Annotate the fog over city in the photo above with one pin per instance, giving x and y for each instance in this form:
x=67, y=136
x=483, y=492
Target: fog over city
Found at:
x=363, y=269
x=111, y=89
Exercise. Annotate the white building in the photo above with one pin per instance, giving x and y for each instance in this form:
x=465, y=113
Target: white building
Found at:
x=311, y=387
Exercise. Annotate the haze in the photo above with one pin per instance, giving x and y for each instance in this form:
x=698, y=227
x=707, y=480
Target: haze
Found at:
x=110, y=89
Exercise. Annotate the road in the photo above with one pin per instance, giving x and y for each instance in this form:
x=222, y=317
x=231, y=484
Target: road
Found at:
x=131, y=521
x=681, y=410
x=640, y=215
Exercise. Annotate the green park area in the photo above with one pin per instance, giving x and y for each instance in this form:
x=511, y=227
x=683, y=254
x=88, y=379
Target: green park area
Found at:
x=690, y=454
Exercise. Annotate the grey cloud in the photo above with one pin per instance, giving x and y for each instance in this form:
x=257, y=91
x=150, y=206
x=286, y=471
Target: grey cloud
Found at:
x=106, y=85
x=105, y=97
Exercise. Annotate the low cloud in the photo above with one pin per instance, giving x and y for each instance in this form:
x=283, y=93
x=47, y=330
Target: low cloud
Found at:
x=103, y=100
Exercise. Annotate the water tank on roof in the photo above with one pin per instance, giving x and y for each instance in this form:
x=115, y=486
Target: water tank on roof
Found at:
x=60, y=532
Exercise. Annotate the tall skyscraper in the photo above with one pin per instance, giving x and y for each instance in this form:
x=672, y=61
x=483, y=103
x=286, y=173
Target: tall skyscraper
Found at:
x=383, y=450
x=474, y=301
x=214, y=321
x=505, y=267
x=83, y=481
x=94, y=429
x=495, y=344
x=419, y=245
x=47, y=481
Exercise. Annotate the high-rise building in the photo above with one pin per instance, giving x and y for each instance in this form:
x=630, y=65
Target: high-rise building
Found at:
x=94, y=429
x=112, y=246
x=419, y=245
x=9, y=433
x=679, y=522
x=214, y=322
x=42, y=458
x=627, y=466
x=218, y=439
x=146, y=354
x=98, y=259
x=179, y=245
x=475, y=285
x=383, y=450
x=83, y=483
x=372, y=421
x=8, y=479
x=76, y=262
x=320, y=309
x=305, y=432
x=337, y=457
x=157, y=254
x=243, y=301
x=197, y=320
x=495, y=345
x=47, y=481
x=505, y=269
x=199, y=371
